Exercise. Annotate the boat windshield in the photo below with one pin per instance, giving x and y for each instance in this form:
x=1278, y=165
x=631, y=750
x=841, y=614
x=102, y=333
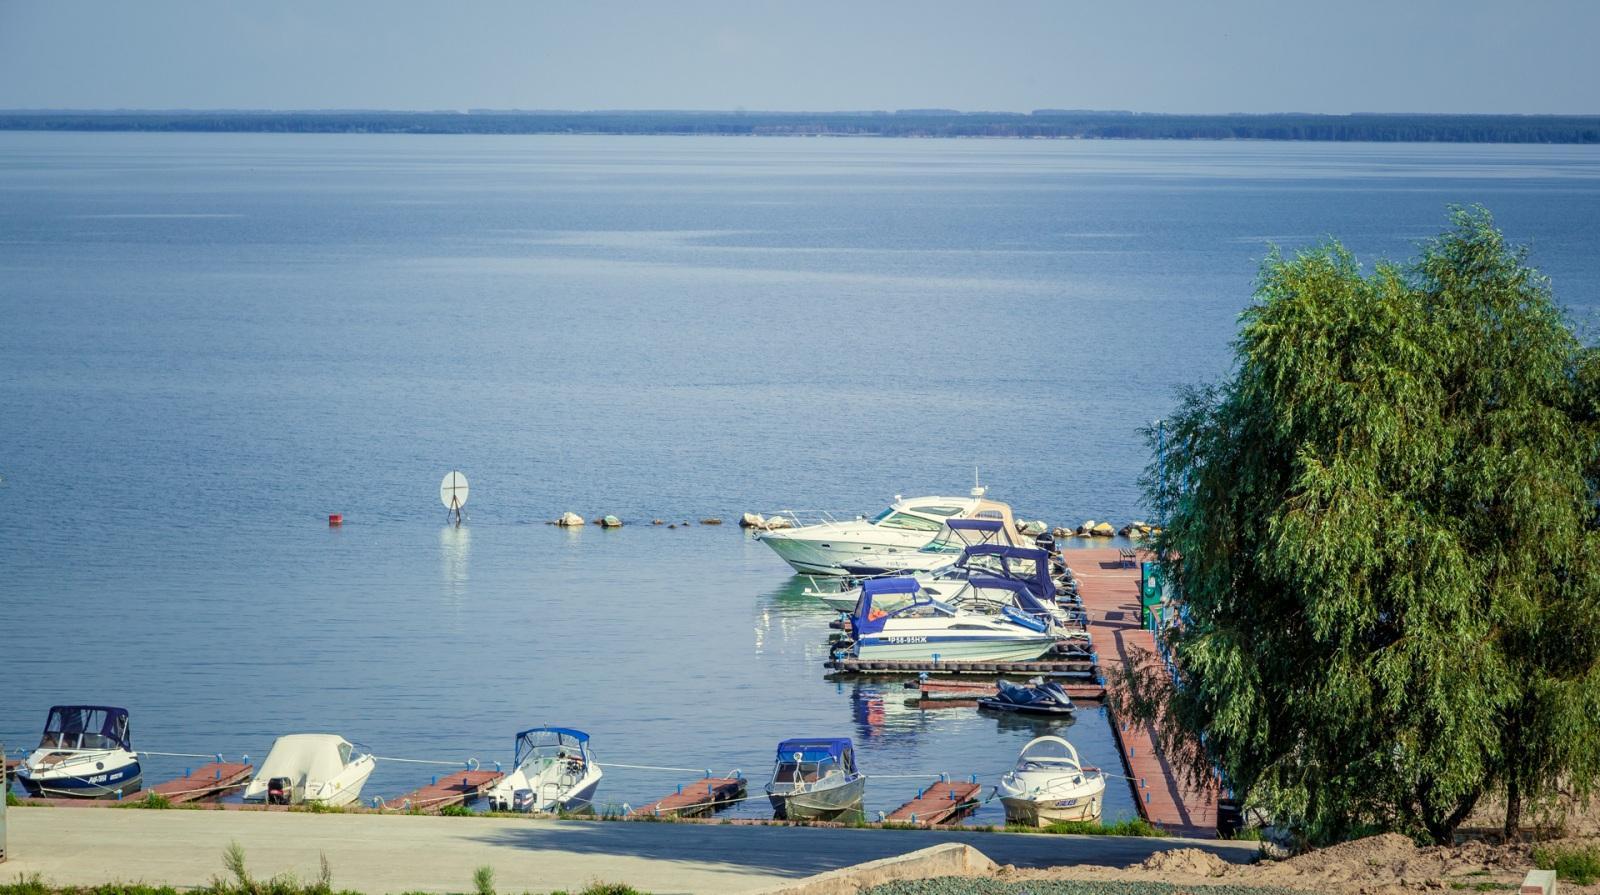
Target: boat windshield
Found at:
x=545, y=745
x=909, y=522
x=85, y=727
x=1048, y=753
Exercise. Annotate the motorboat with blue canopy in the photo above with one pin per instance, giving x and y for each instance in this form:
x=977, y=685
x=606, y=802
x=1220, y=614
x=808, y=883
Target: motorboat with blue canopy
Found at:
x=554, y=770
x=894, y=619
x=86, y=752
x=816, y=779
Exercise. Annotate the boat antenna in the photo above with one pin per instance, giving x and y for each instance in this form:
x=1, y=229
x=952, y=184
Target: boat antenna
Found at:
x=977, y=489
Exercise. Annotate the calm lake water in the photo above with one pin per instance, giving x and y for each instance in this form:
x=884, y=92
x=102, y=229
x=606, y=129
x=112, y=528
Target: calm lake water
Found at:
x=210, y=342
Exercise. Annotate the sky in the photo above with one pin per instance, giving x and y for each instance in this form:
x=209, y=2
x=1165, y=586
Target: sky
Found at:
x=809, y=55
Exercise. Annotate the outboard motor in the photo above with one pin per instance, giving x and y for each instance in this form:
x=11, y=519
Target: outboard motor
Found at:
x=279, y=791
x=522, y=800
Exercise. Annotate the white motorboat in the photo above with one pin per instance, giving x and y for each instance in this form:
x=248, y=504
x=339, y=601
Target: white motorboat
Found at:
x=887, y=540
x=1049, y=785
x=816, y=779
x=86, y=753
x=311, y=767
x=895, y=620
x=554, y=771
x=957, y=537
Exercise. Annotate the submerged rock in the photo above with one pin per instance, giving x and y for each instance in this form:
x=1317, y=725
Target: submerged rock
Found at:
x=657, y=522
x=711, y=521
x=1034, y=528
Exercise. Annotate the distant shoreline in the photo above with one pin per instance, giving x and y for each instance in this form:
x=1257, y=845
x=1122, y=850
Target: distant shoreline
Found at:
x=928, y=123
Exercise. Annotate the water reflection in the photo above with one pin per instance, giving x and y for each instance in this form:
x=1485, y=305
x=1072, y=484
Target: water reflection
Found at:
x=455, y=545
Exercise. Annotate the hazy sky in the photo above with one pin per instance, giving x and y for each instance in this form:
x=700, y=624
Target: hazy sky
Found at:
x=1172, y=56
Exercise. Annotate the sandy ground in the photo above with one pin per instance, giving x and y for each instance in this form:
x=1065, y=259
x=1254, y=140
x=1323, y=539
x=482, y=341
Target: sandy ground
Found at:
x=375, y=854
x=1381, y=865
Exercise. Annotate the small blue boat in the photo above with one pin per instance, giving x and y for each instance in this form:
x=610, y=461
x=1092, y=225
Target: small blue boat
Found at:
x=86, y=753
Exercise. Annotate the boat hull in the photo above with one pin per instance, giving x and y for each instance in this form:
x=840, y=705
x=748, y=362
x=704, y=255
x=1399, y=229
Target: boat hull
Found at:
x=1044, y=812
x=954, y=648
x=104, y=785
x=819, y=804
x=832, y=552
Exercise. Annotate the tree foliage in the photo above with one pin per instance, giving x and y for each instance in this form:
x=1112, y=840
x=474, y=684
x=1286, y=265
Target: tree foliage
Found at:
x=1383, y=524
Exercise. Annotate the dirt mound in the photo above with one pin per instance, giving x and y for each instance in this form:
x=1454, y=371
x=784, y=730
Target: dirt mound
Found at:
x=1185, y=862
x=1390, y=860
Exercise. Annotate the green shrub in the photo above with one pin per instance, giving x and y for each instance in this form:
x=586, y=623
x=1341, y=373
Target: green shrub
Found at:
x=483, y=880
x=457, y=811
x=1134, y=827
x=1579, y=864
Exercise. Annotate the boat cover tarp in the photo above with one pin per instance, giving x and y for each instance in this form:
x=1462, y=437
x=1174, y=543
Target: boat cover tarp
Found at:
x=904, y=584
x=814, y=749
x=317, y=757
x=1039, y=579
x=975, y=524
x=1024, y=595
x=106, y=721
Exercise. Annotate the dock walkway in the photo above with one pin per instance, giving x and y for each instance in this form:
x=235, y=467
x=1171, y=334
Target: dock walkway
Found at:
x=945, y=801
x=454, y=788
x=1110, y=592
x=701, y=797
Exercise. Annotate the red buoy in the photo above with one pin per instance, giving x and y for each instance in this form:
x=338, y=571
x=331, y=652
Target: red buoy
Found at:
x=335, y=519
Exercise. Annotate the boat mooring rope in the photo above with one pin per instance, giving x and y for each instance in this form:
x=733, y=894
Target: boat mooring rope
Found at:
x=470, y=764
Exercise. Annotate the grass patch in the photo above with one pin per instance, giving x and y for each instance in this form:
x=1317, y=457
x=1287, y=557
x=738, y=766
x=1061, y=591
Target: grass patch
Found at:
x=1484, y=886
x=457, y=811
x=1579, y=864
x=11, y=800
x=317, y=808
x=154, y=800
x=603, y=889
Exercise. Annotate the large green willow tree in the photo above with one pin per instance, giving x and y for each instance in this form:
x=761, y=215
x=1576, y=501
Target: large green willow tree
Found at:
x=1384, y=528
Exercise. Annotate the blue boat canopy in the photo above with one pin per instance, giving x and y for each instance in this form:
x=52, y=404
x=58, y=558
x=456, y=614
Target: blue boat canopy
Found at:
x=1038, y=579
x=899, y=585
x=546, y=737
x=974, y=524
x=87, y=727
x=815, y=749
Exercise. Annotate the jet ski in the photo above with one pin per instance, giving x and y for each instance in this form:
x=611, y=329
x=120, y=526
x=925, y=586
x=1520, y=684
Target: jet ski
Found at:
x=1040, y=697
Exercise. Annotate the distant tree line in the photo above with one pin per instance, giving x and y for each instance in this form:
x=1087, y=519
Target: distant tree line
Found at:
x=1044, y=123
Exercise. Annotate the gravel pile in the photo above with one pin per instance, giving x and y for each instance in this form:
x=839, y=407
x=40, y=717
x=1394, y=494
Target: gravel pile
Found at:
x=960, y=885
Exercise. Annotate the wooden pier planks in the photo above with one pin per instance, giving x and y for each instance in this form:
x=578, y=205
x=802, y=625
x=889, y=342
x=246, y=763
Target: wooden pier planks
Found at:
x=205, y=782
x=932, y=689
x=701, y=797
x=939, y=803
x=1110, y=593
x=454, y=788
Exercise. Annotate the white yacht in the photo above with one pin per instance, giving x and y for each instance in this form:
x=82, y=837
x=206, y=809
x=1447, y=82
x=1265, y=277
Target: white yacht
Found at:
x=554, y=771
x=311, y=767
x=894, y=620
x=1049, y=785
x=889, y=540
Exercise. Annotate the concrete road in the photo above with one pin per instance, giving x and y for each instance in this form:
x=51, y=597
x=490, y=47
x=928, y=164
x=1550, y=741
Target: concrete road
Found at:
x=376, y=854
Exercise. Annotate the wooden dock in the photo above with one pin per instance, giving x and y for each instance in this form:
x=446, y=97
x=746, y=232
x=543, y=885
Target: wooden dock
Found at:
x=454, y=788
x=942, y=802
x=696, y=799
x=1078, y=668
x=205, y=782
x=1110, y=592
x=965, y=690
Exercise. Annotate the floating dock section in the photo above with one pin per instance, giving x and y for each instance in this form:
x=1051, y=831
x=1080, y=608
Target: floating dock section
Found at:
x=941, y=803
x=454, y=788
x=933, y=690
x=696, y=799
x=1109, y=588
x=205, y=782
